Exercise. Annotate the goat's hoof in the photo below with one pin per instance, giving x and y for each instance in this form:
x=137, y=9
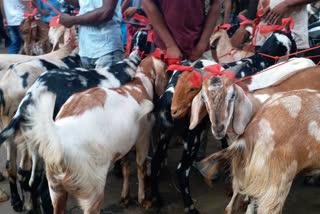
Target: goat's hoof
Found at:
x=17, y=205
x=125, y=202
x=3, y=196
x=146, y=204
x=1, y=177
x=191, y=210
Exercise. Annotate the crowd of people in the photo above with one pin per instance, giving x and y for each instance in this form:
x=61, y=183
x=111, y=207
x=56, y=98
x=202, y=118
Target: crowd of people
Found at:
x=183, y=33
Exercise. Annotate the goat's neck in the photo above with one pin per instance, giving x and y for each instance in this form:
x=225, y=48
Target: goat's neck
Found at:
x=223, y=46
x=256, y=103
x=65, y=51
x=141, y=87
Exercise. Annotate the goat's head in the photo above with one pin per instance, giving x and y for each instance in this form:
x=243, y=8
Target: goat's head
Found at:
x=156, y=69
x=140, y=41
x=241, y=35
x=215, y=38
x=225, y=102
x=279, y=44
x=186, y=89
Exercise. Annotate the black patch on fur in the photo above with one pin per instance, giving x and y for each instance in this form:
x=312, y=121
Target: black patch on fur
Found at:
x=2, y=101
x=72, y=61
x=214, y=81
x=48, y=65
x=24, y=78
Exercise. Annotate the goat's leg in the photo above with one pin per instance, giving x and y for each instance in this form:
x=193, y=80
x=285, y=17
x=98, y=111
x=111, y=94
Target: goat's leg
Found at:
x=59, y=198
x=29, y=194
x=157, y=159
x=142, y=148
x=279, y=194
x=191, y=148
x=125, y=185
x=11, y=167
x=43, y=190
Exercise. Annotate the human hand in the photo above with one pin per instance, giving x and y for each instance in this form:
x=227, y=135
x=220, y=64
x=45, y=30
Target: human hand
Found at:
x=264, y=6
x=276, y=14
x=5, y=23
x=45, y=12
x=174, y=52
x=130, y=11
x=66, y=20
x=198, y=51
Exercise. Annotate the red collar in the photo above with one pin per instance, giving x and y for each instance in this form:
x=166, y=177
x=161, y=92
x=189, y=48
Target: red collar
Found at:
x=148, y=75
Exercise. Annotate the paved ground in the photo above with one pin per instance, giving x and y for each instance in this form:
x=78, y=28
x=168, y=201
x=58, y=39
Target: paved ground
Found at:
x=303, y=199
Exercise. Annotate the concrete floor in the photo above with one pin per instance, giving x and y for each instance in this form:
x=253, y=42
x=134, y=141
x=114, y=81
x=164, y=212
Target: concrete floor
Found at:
x=303, y=199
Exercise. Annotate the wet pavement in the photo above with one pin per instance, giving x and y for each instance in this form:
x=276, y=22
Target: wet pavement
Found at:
x=303, y=199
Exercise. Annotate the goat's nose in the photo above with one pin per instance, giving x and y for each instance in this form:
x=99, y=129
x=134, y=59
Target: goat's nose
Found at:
x=174, y=112
x=219, y=128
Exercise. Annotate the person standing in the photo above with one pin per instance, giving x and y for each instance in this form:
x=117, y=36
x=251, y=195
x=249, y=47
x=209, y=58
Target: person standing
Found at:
x=46, y=12
x=100, y=40
x=13, y=11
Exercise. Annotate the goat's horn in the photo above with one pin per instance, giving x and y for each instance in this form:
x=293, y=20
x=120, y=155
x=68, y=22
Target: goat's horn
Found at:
x=235, y=69
x=201, y=71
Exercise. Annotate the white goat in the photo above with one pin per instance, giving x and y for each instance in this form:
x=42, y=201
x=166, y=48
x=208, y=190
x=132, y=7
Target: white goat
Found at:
x=93, y=129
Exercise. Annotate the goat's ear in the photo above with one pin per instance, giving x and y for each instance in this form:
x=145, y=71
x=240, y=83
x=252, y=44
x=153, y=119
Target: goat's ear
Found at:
x=161, y=80
x=242, y=111
x=198, y=111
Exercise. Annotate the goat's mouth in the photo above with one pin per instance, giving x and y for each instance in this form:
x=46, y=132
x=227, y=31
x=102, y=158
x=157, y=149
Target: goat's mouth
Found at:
x=179, y=113
x=218, y=133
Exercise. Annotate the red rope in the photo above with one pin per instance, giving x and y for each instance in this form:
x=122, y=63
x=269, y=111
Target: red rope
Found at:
x=54, y=9
x=142, y=53
x=229, y=53
x=240, y=80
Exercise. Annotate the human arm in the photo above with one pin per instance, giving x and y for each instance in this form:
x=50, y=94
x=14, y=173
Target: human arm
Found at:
x=275, y=15
x=209, y=26
x=42, y=11
x=4, y=19
x=94, y=17
x=161, y=28
x=74, y=3
x=125, y=4
x=227, y=11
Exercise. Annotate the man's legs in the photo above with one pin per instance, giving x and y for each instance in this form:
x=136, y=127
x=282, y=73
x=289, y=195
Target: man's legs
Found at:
x=109, y=59
x=15, y=39
x=88, y=63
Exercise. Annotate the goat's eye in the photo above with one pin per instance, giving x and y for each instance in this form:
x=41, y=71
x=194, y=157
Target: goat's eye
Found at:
x=193, y=89
x=233, y=96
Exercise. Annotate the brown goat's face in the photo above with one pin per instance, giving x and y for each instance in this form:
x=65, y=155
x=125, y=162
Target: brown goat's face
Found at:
x=183, y=95
x=218, y=94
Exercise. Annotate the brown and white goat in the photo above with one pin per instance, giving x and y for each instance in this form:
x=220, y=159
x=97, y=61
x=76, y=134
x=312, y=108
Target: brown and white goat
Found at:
x=282, y=140
x=35, y=36
x=93, y=129
x=230, y=108
x=225, y=51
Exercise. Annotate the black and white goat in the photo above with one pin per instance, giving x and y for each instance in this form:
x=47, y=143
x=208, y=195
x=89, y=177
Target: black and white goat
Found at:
x=13, y=86
x=65, y=82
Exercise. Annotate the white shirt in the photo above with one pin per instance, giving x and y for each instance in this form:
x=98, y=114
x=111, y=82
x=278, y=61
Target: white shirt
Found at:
x=300, y=30
x=14, y=10
x=96, y=41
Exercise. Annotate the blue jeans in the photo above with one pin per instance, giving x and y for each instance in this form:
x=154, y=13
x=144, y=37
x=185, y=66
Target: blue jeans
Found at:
x=15, y=45
x=104, y=61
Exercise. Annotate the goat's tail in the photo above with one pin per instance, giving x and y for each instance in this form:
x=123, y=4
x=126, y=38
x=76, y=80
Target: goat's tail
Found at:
x=146, y=108
x=39, y=128
x=222, y=159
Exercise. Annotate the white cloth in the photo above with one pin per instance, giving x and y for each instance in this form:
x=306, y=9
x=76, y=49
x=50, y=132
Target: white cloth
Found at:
x=300, y=30
x=99, y=40
x=14, y=10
